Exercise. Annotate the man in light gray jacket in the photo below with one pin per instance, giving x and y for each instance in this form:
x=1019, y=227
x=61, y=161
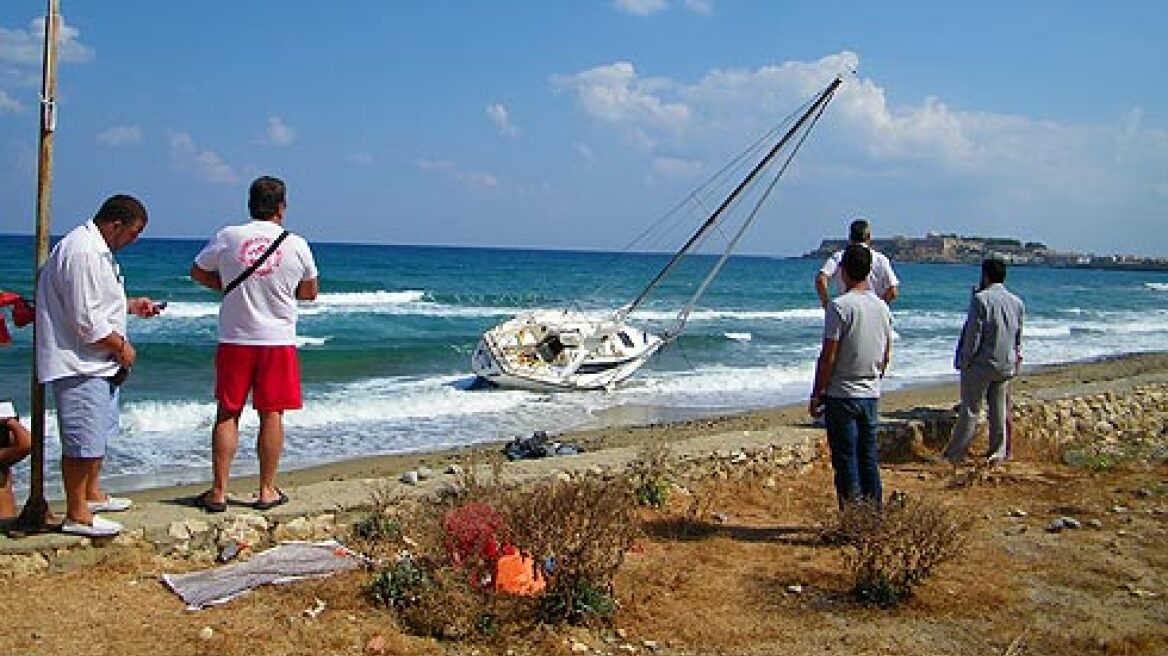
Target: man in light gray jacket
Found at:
x=989, y=354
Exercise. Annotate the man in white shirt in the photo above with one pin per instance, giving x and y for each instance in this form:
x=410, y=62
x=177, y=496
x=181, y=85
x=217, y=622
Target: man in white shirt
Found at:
x=257, y=334
x=81, y=347
x=882, y=281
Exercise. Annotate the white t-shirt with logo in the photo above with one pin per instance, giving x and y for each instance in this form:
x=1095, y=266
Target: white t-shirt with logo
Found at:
x=261, y=311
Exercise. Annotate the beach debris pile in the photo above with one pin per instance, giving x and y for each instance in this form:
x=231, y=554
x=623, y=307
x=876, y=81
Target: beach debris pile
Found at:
x=538, y=446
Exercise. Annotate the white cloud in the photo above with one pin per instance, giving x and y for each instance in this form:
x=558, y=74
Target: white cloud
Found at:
x=434, y=164
x=22, y=47
x=640, y=7
x=497, y=112
x=8, y=104
x=185, y=155
x=470, y=178
x=703, y=7
x=584, y=152
x=479, y=179
x=615, y=94
x=278, y=133
x=677, y=167
x=121, y=135
x=20, y=57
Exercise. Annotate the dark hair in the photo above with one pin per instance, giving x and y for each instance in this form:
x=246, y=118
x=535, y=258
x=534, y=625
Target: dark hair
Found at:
x=265, y=197
x=121, y=208
x=859, y=231
x=857, y=262
x=994, y=269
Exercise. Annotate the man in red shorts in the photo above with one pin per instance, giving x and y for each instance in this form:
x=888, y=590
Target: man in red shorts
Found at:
x=262, y=271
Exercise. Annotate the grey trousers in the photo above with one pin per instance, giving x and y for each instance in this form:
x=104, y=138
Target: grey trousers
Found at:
x=979, y=385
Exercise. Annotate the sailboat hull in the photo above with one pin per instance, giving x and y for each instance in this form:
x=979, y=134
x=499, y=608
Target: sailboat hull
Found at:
x=552, y=351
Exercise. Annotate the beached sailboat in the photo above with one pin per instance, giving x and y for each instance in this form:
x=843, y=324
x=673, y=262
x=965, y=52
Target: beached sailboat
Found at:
x=568, y=349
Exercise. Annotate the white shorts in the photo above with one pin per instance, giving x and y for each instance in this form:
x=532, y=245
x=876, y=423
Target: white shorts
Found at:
x=87, y=415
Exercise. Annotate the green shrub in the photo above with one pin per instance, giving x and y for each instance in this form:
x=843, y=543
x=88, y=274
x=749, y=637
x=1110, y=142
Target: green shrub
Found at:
x=402, y=584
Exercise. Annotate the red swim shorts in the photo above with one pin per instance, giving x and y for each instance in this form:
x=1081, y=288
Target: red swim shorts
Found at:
x=270, y=373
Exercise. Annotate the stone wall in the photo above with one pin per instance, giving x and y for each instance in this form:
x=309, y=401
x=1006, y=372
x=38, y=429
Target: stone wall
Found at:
x=1127, y=425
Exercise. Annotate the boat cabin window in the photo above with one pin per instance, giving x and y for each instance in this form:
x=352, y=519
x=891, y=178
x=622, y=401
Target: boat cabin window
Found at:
x=625, y=339
x=549, y=347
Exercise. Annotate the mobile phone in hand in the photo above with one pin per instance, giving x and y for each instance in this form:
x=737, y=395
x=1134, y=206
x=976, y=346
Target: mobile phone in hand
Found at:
x=7, y=409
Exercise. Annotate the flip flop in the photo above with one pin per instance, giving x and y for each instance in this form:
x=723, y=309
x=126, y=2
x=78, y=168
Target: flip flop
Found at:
x=99, y=527
x=110, y=504
x=268, y=505
x=206, y=504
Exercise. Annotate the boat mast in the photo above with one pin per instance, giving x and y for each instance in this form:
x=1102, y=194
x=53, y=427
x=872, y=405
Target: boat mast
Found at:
x=683, y=315
x=820, y=101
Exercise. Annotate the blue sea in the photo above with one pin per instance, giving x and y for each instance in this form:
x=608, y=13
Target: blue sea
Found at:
x=385, y=349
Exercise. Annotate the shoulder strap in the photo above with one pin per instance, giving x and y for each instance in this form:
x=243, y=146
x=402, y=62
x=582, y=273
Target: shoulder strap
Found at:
x=255, y=265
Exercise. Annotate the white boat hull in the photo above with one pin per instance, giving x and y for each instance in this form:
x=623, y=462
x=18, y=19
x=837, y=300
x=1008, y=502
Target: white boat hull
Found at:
x=554, y=350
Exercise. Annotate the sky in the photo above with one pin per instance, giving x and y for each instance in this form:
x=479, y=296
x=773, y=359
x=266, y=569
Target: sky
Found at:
x=572, y=124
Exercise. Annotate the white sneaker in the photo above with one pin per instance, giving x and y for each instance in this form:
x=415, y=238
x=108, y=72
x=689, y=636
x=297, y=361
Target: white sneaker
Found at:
x=111, y=504
x=99, y=528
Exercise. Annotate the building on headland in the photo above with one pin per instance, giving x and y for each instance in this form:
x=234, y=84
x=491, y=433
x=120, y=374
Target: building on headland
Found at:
x=952, y=248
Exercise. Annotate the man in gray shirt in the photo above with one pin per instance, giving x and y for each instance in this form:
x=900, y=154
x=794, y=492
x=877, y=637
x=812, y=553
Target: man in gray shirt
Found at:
x=857, y=345
x=989, y=354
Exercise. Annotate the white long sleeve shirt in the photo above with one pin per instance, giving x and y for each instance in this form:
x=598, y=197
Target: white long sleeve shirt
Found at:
x=80, y=299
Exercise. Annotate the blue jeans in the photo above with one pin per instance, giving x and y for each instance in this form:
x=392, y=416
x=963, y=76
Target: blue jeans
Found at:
x=851, y=435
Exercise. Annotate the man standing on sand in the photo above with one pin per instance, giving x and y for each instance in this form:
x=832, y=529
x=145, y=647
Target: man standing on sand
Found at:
x=989, y=354
x=857, y=346
x=882, y=280
x=267, y=270
x=83, y=353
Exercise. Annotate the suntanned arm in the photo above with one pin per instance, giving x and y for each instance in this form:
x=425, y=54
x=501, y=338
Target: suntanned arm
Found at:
x=824, y=367
x=120, y=348
x=307, y=290
x=887, y=356
x=208, y=279
x=821, y=282
x=890, y=294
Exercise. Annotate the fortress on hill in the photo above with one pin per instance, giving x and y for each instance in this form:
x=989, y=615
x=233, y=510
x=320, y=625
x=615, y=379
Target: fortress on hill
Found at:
x=952, y=248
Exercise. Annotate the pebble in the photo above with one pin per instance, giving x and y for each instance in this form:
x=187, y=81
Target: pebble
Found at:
x=1061, y=523
x=1018, y=512
x=579, y=647
x=795, y=588
x=206, y=633
x=410, y=478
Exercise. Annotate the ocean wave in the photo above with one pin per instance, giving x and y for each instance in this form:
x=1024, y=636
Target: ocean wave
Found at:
x=1059, y=330
x=1157, y=286
x=305, y=340
x=797, y=314
x=374, y=298
x=738, y=337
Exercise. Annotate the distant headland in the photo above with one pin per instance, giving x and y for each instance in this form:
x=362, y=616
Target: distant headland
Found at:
x=952, y=248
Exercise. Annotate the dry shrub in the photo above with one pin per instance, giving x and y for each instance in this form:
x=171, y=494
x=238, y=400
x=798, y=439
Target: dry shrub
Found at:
x=379, y=527
x=652, y=476
x=577, y=530
x=889, y=553
x=1036, y=446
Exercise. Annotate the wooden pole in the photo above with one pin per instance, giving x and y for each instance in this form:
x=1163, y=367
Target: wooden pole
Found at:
x=36, y=513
